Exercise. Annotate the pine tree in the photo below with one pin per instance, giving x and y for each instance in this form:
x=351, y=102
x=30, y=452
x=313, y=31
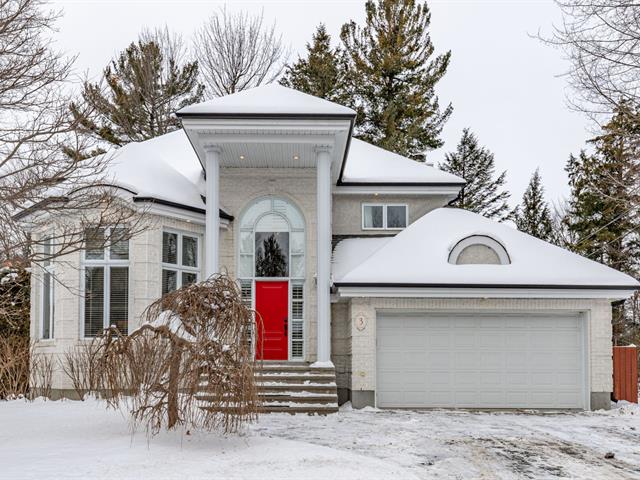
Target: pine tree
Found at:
x=483, y=193
x=533, y=215
x=139, y=93
x=602, y=209
x=393, y=73
x=605, y=193
x=270, y=260
x=322, y=73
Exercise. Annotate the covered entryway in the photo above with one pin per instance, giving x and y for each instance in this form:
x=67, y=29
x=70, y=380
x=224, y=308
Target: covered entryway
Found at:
x=480, y=360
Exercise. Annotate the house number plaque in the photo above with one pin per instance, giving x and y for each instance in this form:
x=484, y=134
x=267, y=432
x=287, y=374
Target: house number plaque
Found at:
x=361, y=322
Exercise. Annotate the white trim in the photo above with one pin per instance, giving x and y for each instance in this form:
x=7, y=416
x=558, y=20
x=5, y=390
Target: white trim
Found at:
x=450, y=192
x=384, y=215
x=452, y=292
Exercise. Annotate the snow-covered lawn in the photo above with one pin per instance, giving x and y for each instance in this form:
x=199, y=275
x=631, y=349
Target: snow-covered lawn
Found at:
x=83, y=440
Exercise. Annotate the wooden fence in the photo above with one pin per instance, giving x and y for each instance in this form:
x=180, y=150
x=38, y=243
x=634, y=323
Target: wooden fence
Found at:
x=625, y=373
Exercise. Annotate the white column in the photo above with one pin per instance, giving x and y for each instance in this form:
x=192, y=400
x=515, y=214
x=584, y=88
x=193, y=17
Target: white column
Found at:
x=323, y=271
x=212, y=225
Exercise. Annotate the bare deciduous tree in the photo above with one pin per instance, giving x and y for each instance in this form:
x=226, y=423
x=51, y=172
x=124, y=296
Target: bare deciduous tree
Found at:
x=237, y=51
x=189, y=364
x=38, y=184
x=602, y=41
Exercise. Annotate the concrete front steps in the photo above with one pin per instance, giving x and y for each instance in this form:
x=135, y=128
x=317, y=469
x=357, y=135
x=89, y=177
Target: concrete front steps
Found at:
x=291, y=387
x=296, y=387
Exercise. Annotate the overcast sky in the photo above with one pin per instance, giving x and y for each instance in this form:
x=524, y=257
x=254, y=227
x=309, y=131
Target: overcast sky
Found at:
x=503, y=84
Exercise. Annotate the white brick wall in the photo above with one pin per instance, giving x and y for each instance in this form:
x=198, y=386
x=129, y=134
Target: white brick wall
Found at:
x=363, y=370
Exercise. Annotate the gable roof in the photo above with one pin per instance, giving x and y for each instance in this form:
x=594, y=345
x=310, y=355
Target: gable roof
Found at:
x=266, y=100
x=367, y=164
x=418, y=257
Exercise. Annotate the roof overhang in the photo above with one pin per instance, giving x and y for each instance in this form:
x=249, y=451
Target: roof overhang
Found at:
x=270, y=140
x=609, y=292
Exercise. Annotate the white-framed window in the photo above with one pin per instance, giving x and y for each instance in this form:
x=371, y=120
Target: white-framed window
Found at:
x=389, y=216
x=106, y=280
x=180, y=260
x=47, y=300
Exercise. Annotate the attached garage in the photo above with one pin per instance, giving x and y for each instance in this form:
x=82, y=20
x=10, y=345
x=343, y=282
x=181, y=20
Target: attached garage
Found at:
x=481, y=360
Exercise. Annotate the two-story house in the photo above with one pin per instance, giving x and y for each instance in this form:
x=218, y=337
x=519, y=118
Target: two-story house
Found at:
x=354, y=260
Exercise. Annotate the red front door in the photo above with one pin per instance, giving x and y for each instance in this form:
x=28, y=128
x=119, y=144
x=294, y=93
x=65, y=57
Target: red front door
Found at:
x=272, y=303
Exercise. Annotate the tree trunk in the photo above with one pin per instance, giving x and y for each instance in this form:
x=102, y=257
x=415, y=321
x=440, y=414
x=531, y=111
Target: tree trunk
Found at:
x=174, y=385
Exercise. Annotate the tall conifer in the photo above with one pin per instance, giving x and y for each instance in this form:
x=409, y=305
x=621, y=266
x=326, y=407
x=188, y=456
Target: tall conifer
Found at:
x=533, y=215
x=393, y=74
x=483, y=193
x=322, y=73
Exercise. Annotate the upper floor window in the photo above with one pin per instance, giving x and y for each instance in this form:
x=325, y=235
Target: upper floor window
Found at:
x=180, y=260
x=47, y=298
x=384, y=216
x=106, y=284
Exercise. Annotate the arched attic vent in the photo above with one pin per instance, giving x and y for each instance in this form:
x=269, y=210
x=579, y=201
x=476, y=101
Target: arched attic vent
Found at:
x=479, y=250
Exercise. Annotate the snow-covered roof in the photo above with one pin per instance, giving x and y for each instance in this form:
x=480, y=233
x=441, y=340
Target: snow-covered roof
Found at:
x=367, y=163
x=271, y=99
x=163, y=168
x=419, y=256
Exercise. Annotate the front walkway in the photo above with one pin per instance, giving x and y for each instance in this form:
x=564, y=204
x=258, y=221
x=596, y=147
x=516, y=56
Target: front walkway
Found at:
x=83, y=440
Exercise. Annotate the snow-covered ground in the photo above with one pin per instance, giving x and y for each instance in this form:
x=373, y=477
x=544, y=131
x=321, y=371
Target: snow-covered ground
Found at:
x=83, y=440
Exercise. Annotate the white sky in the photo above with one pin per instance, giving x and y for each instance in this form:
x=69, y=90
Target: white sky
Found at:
x=503, y=84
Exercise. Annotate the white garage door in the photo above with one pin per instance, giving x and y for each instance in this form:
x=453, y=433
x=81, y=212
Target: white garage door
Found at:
x=480, y=361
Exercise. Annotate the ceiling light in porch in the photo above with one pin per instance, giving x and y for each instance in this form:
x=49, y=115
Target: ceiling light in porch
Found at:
x=296, y=157
x=241, y=157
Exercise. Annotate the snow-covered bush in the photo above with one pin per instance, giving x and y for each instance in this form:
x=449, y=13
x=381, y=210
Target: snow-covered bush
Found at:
x=189, y=364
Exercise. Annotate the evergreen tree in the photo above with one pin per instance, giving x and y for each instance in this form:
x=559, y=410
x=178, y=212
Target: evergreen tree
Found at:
x=322, y=73
x=602, y=210
x=533, y=215
x=393, y=73
x=482, y=193
x=270, y=260
x=139, y=93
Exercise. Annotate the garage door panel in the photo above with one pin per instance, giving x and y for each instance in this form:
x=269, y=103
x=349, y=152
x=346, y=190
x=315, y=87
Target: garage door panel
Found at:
x=480, y=360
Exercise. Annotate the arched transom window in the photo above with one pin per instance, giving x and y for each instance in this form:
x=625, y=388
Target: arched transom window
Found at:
x=271, y=240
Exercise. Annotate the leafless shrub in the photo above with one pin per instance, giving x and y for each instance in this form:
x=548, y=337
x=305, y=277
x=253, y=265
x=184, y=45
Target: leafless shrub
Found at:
x=189, y=363
x=79, y=364
x=15, y=353
x=40, y=375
